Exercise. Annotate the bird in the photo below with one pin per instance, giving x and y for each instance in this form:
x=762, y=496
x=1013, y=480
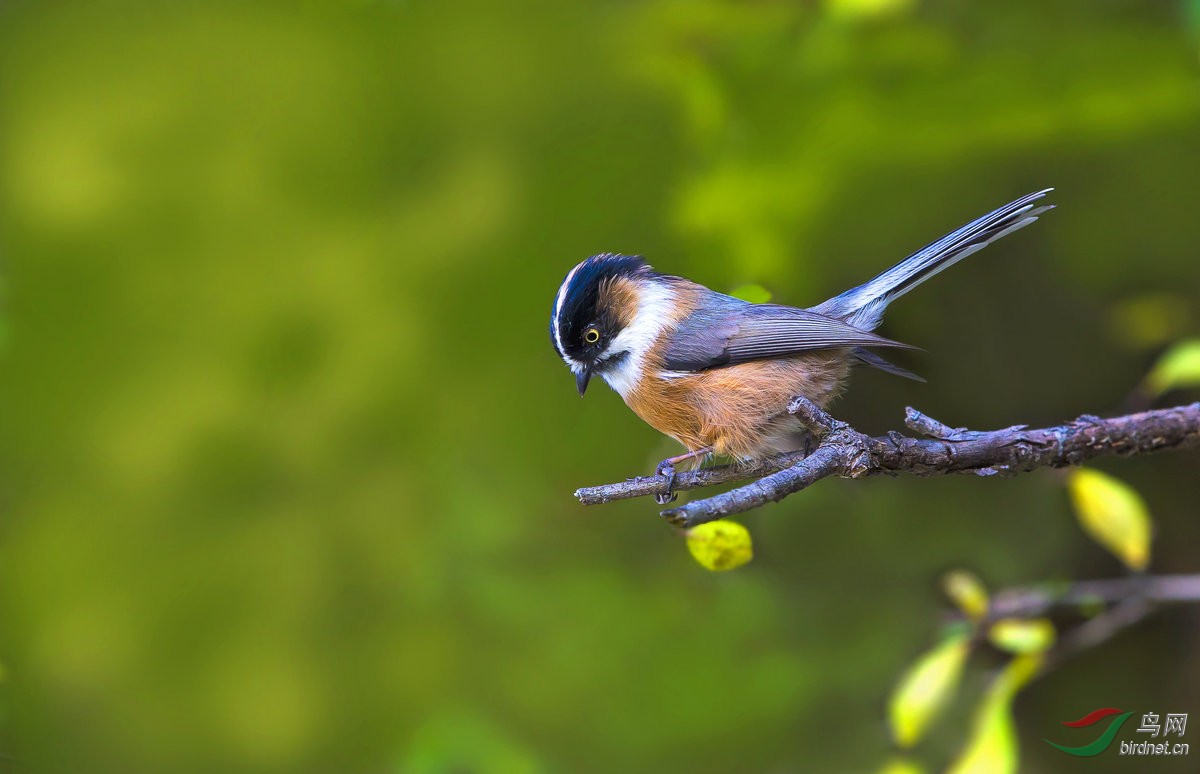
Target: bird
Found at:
x=716, y=373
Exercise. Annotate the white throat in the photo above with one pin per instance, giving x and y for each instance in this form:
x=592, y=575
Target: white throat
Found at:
x=656, y=300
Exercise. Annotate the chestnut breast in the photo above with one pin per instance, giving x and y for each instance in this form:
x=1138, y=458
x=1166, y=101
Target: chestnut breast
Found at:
x=735, y=409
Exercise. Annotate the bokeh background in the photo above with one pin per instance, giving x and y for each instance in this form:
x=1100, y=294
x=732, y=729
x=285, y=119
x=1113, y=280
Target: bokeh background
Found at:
x=287, y=457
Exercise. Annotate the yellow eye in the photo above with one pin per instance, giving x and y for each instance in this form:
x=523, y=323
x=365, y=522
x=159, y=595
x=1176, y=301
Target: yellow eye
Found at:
x=591, y=335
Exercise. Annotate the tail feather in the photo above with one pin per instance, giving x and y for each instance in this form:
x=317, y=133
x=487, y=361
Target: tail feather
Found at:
x=863, y=306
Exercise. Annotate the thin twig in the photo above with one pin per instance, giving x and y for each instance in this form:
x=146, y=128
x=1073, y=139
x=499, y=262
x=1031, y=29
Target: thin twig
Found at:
x=843, y=451
x=1096, y=631
x=1130, y=600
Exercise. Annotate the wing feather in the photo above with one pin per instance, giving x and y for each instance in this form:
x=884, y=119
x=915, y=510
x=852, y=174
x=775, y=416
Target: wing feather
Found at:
x=726, y=331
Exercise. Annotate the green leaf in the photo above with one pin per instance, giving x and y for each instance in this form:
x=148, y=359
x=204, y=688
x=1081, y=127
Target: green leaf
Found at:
x=925, y=689
x=1113, y=514
x=463, y=740
x=1017, y=635
x=867, y=9
x=1149, y=319
x=1177, y=368
x=1092, y=605
x=901, y=766
x=1192, y=14
x=992, y=746
x=755, y=294
x=720, y=545
x=967, y=592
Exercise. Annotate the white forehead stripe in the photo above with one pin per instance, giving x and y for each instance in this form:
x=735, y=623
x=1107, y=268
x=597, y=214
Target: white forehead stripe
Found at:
x=558, y=304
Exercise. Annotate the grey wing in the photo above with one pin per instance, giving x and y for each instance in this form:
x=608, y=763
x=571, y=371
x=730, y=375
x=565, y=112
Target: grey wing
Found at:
x=725, y=331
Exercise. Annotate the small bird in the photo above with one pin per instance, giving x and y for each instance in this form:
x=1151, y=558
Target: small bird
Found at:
x=716, y=373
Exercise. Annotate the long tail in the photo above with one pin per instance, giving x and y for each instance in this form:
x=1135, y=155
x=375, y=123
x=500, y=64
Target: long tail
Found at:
x=863, y=306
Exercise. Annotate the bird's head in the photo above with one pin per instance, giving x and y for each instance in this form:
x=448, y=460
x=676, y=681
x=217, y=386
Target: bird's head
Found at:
x=607, y=314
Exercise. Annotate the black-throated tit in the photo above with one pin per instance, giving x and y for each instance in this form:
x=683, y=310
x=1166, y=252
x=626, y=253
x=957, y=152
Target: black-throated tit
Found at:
x=716, y=373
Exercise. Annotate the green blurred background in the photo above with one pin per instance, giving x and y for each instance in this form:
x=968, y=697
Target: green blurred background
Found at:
x=288, y=457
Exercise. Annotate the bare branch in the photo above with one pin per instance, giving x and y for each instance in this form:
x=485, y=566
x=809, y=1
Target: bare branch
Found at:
x=843, y=451
x=1126, y=602
x=1039, y=600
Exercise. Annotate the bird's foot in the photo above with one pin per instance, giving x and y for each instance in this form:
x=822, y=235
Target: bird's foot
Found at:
x=666, y=469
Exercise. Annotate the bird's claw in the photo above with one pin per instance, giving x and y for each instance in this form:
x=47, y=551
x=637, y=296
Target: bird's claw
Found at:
x=666, y=469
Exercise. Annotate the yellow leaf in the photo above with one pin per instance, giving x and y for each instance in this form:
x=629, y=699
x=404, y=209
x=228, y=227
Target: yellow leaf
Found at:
x=720, y=545
x=755, y=294
x=926, y=688
x=1113, y=514
x=1177, y=368
x=992, y=747
x=1018, y=635
x=967, y=593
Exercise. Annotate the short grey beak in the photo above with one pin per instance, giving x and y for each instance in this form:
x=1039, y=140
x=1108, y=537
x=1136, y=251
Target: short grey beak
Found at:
x=581, y=379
